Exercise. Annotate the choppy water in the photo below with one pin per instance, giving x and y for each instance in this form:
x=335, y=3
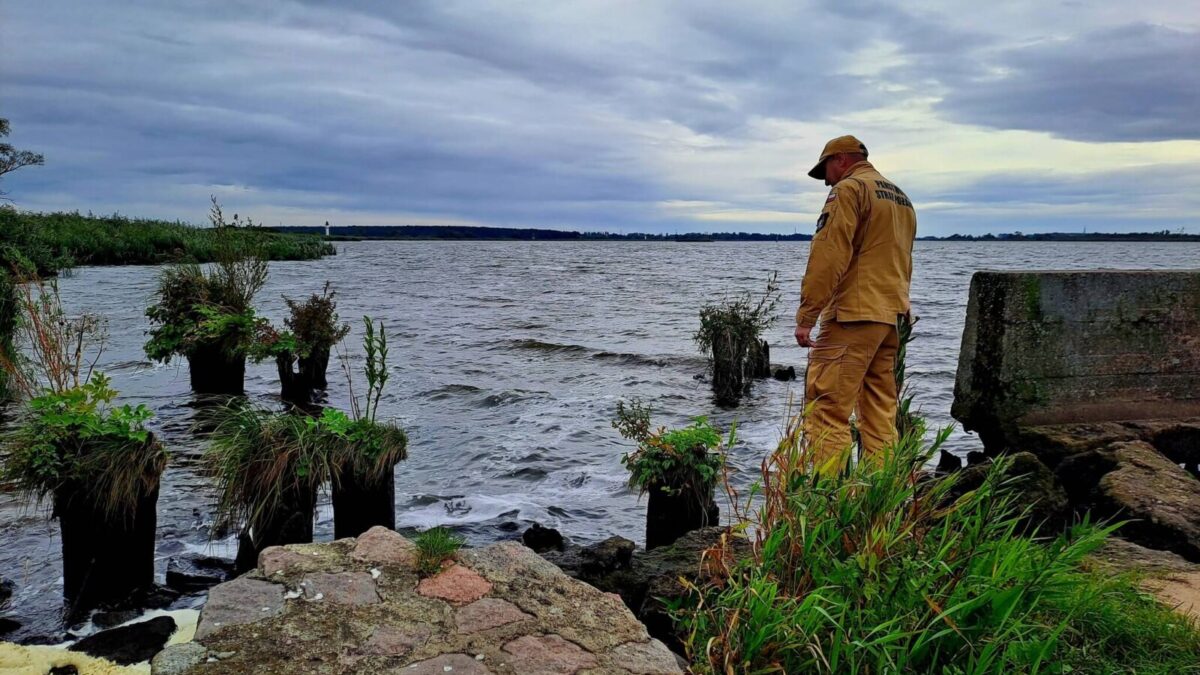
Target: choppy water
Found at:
x=508, y=360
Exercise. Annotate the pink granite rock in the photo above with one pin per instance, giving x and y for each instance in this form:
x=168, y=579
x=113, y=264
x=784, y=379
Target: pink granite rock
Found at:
x=396, y=641
x=459, y=664
x=455, y=584
x=278, y=560
x=487, y=613
x=646, y=658
x=547, y=655
x=381, y=546
x=343, y=588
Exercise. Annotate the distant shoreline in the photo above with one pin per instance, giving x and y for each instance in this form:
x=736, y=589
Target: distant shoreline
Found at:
x=454, y=233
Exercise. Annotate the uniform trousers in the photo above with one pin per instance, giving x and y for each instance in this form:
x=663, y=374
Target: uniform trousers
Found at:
x=851, y=368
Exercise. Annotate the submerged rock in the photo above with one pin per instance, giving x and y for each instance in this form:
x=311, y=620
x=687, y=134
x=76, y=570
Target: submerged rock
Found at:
x=947, y=463
x=192, y=573
x=542, y=539
x=6, y=591
x=128, y=644
x=785, y=374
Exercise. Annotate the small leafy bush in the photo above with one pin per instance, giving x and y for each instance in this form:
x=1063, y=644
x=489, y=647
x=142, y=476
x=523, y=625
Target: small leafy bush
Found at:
x=196, y=308
x=70, y=433
x=314, y=322
x=730, y=334
x=685, y=461
x=434, y=546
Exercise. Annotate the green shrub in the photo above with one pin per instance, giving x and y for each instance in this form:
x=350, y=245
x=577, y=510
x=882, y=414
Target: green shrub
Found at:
x=199, y=309
x=730, y=334
x=78, y=438
x=57, y=241
x=681, y=462
x=70, y=434
x=314, y=322
x=874, y=570
x=434, y=546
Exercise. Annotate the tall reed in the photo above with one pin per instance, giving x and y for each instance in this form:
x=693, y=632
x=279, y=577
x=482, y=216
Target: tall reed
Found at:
x=876, y=570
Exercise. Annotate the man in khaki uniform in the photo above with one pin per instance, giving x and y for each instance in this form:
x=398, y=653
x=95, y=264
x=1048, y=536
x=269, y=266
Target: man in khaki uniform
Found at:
x=859, y=270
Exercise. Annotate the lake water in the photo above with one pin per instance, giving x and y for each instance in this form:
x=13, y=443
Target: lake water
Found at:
x=507, y=362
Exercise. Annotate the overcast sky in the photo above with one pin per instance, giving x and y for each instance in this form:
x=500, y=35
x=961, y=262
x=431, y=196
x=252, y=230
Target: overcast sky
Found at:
x=630, y=116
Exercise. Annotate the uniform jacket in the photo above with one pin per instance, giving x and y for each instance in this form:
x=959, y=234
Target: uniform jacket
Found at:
x=860, y=262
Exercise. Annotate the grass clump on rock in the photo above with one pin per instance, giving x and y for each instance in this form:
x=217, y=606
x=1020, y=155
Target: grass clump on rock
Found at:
x=730, y=334
x=434, y=546
x=679, y=469
x=95, y=461
x=876, y=570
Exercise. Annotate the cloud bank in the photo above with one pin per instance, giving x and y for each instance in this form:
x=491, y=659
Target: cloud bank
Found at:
x=604, y=115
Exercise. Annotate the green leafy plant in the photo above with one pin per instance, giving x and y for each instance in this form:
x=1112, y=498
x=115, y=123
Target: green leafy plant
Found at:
x=70, y=433
x=730, y=334
x=314, y=322
x=364, y=445
x=434, y=546
x=876, y=570
x=199, y=309
x=685, y=461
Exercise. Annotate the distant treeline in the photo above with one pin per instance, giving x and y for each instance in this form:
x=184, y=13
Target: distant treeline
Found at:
x=454, y=232
x=1163, y=235
x=526, y=234
x=49, y=242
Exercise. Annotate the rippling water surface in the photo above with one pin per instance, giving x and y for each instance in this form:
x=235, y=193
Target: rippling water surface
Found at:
x=507, y=362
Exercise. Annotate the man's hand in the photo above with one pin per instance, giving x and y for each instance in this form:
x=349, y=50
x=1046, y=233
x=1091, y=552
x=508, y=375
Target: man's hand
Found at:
x=804, y=336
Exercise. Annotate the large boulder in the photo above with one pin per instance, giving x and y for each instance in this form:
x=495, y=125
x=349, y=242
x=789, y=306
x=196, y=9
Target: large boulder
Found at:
x=361, y=606
x=1071, y=347
x=1133, y=481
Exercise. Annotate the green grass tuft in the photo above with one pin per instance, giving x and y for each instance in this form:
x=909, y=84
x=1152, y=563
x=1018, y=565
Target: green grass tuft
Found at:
x=434, y=546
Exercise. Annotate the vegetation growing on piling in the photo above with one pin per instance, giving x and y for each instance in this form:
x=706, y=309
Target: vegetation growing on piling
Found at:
x=261, y=461
x=302, y=349
x=876, y=570
x=684, y=462
x=196, y=308
x=730, y=334
x=364, y=445
x=71, y=434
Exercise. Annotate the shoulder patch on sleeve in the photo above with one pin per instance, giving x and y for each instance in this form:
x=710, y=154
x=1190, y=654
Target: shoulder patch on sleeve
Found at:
x=821, y=222
x=832, y=195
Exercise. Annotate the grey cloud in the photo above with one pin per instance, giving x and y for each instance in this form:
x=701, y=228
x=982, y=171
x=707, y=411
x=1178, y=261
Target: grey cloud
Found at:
x=1135, y=83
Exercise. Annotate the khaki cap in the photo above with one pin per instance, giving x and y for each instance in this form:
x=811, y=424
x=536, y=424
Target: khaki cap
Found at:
x=836, y=147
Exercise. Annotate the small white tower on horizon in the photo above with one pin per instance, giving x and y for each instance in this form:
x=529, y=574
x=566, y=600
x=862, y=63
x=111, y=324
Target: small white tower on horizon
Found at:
x=327, y=228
